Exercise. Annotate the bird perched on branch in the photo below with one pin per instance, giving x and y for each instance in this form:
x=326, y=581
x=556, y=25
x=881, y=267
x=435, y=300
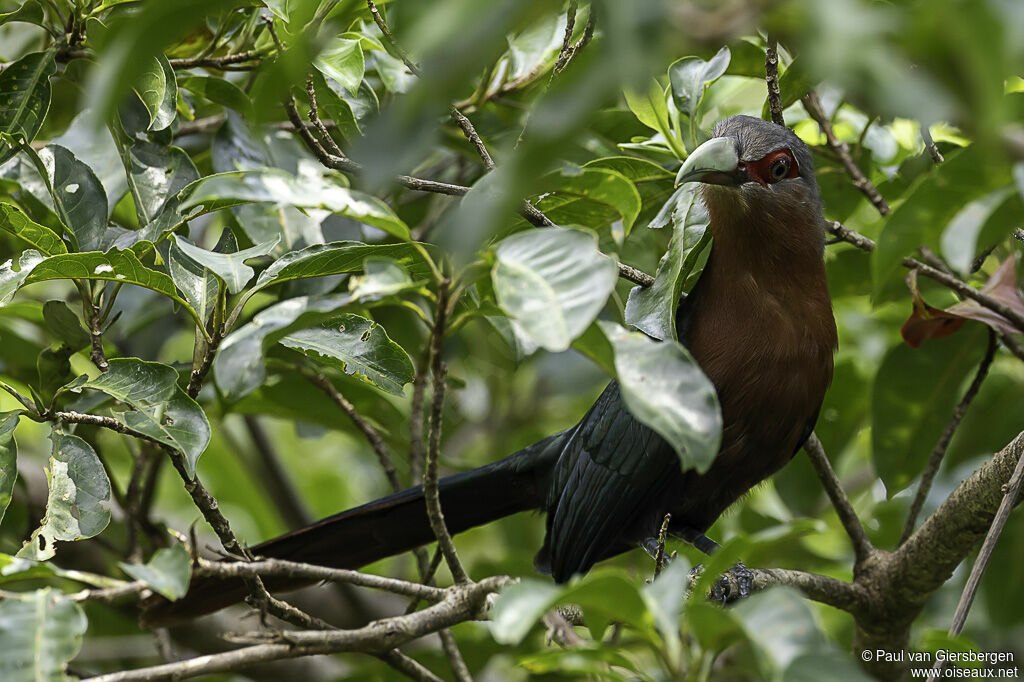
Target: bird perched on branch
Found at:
x=759, y=322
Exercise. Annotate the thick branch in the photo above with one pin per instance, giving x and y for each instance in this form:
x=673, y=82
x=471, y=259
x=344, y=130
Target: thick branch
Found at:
x=462, y=603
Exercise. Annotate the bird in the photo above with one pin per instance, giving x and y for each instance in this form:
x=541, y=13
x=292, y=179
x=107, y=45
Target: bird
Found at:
x=758, y=322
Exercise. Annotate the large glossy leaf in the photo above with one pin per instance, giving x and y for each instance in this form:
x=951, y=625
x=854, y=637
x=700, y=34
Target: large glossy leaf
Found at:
x=158, y=91
x=519, y=607
x=40, y=632
x=158, y=407
x=338, y=258
x=929, y=206
x=356, y=346
x=230, y=267
x=92, y=144
x=30, y=12
x=219, y=91
x=689, y=77
x=78, y=484
x=41, y=237
x=664, y=388
x=8, y=459
x=271, y=185
x=913, y=397
x=552, y=283
x=781, y=627
x=197, y=284
x=78, y=196
x=239, y=369
x=65, y=324
x=24, y=98
x=12, y=277
x=167, y=572
x=156, y=175
x=342, y=60
x=114, y=265
x=592, y=197
x=652, y=309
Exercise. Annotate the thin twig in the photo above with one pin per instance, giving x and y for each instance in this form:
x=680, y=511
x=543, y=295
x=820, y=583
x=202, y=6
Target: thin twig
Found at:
x=959, y=286
x=314, y=118
x=814, y=109
x=280, y=568
x=929, y=144
x=455, y=660
x=408, y=666
x=430, y=475
x=659, y=557
x=939, y=451
x=346, y=165
x=108, y=595
x=862, y=547
x=218, y=62
x=371, y=434
x=565, y=53
x=771, y=77
x=199, y=371
x=97, y=355
x=416, y=445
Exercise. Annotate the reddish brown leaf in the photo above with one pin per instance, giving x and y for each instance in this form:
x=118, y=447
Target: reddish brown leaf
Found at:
x=927, y=322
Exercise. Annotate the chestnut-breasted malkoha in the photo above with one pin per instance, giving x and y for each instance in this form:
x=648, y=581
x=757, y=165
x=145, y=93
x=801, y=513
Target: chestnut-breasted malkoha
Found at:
x=759, y=322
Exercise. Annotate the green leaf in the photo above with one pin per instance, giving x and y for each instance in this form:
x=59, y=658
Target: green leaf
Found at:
x=356, y=346
x=651, y=109
x=78, y=484
x=652, y=309
x=913, y=397
x=41, y=237
x=342, y=60
x=595, y=345
x=665, y=598
x=8, y=458
x=218, y=91
x=690, y=76
x=168, y=572
x=779, y=624
x=11, y=279
x=552, y=282
x=272, y=185
x=155, y=176
x=664, y=388
x=519, y=607
x=158, y=407
x=996, y=214
x=31, y=12
x=197, y=284
x=840, y=667
x=24, y=98
x=114, y=265
x=78, y=196
x=589, y=196
x=230, y=267
x=338, y=258
x=64, y=323
x=158, y=91
x=930, y=204
x=40, y=633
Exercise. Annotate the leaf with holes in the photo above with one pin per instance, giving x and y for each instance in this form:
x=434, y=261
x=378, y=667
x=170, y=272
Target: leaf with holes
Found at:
x=78, y=484
x=78, y=196
x=159, y=408
x=14, y=220
x=356, y=346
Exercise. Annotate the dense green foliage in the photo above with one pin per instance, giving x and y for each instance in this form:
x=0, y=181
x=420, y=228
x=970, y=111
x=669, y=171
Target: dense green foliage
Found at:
x=158, y=208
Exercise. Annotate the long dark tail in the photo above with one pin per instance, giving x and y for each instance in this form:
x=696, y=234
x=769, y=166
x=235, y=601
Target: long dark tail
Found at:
x=382, y=528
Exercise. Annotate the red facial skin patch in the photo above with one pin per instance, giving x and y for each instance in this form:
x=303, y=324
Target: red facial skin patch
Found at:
x=761, y=171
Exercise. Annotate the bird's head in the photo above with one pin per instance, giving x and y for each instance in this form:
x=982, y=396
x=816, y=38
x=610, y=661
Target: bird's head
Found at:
x=756, y=172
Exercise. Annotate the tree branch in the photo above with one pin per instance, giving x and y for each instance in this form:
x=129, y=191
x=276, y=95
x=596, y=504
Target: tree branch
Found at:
x=461, y=603
x=771, y=77
x=218, y=62
x=862, y=547
x=814, y=109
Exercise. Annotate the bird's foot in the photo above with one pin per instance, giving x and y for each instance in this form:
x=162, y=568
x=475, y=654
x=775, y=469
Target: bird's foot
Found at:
x=736, y=583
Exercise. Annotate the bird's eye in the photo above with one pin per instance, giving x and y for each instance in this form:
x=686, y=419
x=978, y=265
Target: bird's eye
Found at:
x=779, y=169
